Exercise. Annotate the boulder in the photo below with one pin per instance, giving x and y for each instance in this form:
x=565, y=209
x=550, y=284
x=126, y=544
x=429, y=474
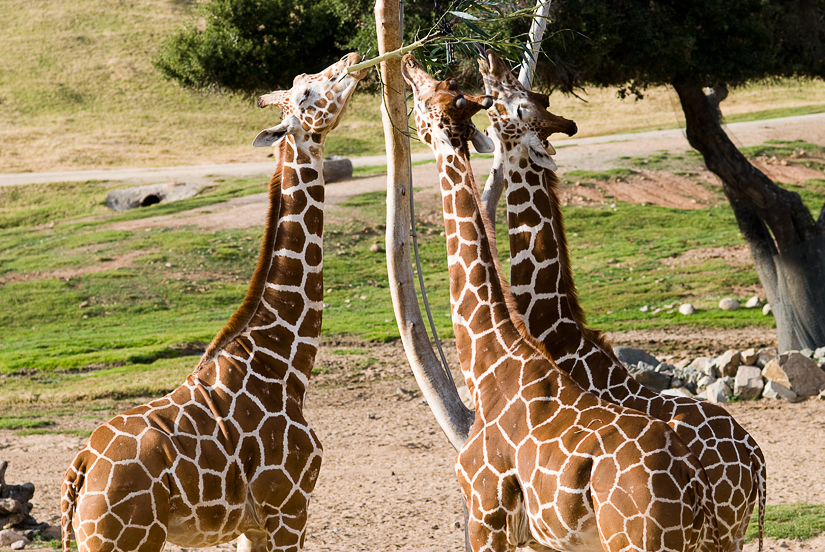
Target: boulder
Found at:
x=648, y=376
x=704, y=381
x=729, y=304
x=763, y=356
x=718, y=392
x=705, y=365
x=748, y=357
x=337, y=168
x=9, y=537
x=143, y=196
x=748, y=383
x=51, y=532
x=728, y=362
x=677, y=392
x=630, y=356
x=775, y=390
x=819, y=354
x=754, y=302
x=686, y=309
x=796, y=372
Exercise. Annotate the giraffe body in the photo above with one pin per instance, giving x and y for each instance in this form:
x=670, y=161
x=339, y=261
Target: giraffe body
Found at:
x=229, y=452
x=546, y=464
x=545, y=297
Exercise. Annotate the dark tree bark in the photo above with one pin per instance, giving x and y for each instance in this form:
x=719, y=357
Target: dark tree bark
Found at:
x=787, y=245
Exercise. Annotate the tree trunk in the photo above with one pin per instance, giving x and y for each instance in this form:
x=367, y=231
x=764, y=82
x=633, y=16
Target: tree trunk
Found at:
x=454, y=418
x=787, y=245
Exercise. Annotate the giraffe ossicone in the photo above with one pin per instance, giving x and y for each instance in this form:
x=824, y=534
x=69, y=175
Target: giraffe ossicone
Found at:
x=545, y=299
x=546, y=464
x=229, y=453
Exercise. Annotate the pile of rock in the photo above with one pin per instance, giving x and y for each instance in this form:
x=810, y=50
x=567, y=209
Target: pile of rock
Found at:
x=745, y=375
x=17, y=527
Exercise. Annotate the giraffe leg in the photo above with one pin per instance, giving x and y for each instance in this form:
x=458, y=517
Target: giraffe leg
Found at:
x=252, y=541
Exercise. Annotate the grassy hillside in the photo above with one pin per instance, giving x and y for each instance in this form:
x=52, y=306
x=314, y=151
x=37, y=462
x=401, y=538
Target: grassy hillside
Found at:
x=77, y=90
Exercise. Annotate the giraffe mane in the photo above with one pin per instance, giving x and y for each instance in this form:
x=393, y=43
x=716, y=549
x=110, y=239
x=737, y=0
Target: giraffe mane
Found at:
x=551, y=182
x=241, y=318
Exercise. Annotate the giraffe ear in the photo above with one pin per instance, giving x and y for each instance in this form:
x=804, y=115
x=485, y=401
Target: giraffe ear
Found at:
x=481, y=143
x=538, y=154
x=273, y=135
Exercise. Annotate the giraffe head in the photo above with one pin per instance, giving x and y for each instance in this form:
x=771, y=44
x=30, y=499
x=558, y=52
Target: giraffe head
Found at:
x=313, y=106
x=521, y=115
x=444, y=113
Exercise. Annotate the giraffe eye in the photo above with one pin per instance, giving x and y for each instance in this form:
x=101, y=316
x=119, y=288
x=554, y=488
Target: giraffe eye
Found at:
x=304, y=97
x=518, y=113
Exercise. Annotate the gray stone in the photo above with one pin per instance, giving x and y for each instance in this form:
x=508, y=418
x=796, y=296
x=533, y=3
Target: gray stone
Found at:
x=684, y=363
x=645, y=308
x=820, y=354
x=705, y=381
x=630, y=356
x=686, y=309
x=728, y=362
x=766, y=310
x=677, y=392
x=9, y=536
x=19, y=545
x=748, y=357
x=754, y=302
x=649, y=377
x=337, y=168
x=806, y=353
x=143, y=196
x=702, y=395
x=796, y=372
x=705, y=365
x=729, y=304
x=765, y=355
x=718, y=392
x=51, y=532
x=775, y=390
x=9, y=506
x=748, y=383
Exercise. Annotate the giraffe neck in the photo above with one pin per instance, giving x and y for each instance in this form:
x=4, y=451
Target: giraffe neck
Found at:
x=481, y=320
x=540, y=270
x=279, y=322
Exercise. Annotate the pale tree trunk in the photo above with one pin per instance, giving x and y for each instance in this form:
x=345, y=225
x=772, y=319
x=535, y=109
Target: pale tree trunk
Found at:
x=494, y=186
x=454, y=418
x=787, y=245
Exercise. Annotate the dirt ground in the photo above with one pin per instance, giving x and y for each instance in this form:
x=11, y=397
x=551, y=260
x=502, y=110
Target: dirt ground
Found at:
x=387, y=480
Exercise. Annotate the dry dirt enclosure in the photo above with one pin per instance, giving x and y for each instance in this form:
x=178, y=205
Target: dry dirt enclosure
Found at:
x=387, y=480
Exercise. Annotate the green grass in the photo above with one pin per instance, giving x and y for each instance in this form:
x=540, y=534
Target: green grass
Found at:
x=790, y=521
x=8, y=422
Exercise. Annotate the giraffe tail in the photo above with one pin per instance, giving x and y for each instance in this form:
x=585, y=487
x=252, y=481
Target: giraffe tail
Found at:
x=68, y=501
x=758, y=462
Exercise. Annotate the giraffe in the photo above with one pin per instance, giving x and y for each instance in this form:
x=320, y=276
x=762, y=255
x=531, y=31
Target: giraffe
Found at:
x=229, y=453
x=545, y=297
x=546, y=464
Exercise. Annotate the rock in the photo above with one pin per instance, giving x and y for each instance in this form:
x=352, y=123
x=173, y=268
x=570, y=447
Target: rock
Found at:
x=748, y=357
x=796, y=372
x=376, y=248
x=766, y=310
x=686, y=309
x=754, y=302
x=630, y=356
x=51, y=532
x=337, y=168
x=9, y=506
x=763, y=356
x=702, y=395
x=19, y=545
x=820, y=353
x=143, y=196
x=677, y=392
x=645, y=308
x=728, y=362
x=705, y=365
x=9, y=536
x=729, y=304
x=648, y=376
x=705, y=381
x=718, y=392
x=466, y=398
x=684, y=363
x=775, y=390
x=748, y=383
x=806, y=353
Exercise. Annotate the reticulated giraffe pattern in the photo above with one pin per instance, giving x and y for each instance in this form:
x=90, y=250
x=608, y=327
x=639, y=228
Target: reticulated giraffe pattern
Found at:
x=546, y=464
x=545, y=297
x=229, y=452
